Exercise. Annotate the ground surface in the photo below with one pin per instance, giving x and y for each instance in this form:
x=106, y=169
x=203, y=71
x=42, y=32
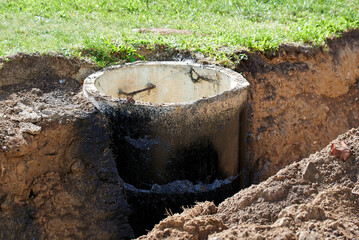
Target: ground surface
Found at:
x=58, y=178
x=315, y=198
x=106, y=30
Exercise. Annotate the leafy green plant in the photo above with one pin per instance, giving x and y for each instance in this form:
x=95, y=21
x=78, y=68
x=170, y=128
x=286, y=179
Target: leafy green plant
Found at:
x=106, y=52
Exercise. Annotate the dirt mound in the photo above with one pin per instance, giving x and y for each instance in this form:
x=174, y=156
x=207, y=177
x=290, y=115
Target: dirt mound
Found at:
x=317, y=197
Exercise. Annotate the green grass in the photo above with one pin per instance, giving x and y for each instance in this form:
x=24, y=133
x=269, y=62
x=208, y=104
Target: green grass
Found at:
x=103, y=29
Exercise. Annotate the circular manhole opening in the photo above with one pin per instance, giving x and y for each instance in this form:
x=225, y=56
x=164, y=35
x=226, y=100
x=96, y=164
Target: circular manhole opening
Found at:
x=175, y=126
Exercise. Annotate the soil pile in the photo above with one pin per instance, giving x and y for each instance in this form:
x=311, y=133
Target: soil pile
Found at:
x=315, y=198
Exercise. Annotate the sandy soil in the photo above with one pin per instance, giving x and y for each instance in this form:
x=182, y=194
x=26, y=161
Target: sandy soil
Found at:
x=315, y=198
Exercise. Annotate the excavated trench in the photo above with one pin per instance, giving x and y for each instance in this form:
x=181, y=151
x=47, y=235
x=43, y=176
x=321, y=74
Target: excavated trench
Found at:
x=58, y=172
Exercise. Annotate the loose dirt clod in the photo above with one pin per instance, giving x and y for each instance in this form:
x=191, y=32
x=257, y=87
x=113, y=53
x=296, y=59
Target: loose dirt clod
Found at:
x=342, y=152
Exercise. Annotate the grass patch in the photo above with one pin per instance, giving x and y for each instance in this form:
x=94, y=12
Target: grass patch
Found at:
x=103, y=29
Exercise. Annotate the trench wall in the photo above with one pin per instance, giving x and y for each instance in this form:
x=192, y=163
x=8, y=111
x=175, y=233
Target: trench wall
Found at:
x=62, y=183
x=58, y=180
x=299, y=100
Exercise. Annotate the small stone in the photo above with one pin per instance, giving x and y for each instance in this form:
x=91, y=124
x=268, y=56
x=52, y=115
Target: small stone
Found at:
x=355, y=190
x=40, y=106
x=310, y=212
x=37, y=91
x=78, y=167
x=258, y=237
x=29, y=116
x=310, y=172
x=279, y=177
x=333, y=225
x=311, y=226
x=6, y=206
x=11, y=132
x=47, y=112
x=305, y=235
x=302, y=216
x=20, y=169
x=275, y=193
x=16, y=109
x=285, y=235
x=282, y=222
x=29, y=128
